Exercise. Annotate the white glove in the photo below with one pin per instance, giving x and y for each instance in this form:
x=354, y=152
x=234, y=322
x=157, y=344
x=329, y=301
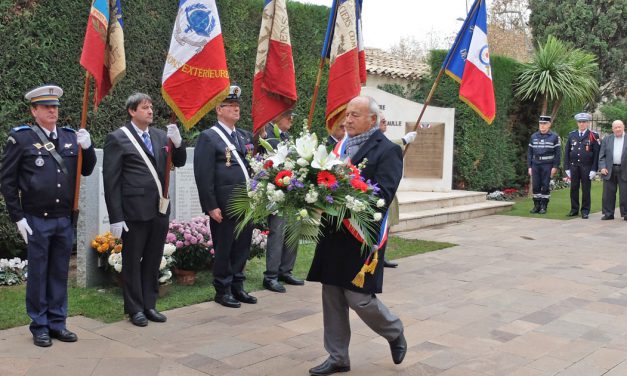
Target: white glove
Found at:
x=409, y=138
x=24, y=229
x=174, y=135
x=568, y=173
x=83, y=138
x=116, y=229
x=592, y=174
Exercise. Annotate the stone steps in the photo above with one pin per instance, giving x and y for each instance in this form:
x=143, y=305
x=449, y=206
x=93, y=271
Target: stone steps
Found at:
x=423, y=209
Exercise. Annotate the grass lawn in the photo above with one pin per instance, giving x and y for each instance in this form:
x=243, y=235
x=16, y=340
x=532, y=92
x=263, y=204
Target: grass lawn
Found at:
x=559, y=205
x=106, y=304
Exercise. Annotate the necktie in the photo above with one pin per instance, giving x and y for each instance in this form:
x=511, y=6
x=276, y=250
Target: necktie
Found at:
x=53, y=135
x=580, y=134
x=235, y=140
x=147, y=142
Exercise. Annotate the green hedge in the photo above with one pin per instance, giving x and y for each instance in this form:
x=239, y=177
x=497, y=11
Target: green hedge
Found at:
x=486, y=157
x=42, y=40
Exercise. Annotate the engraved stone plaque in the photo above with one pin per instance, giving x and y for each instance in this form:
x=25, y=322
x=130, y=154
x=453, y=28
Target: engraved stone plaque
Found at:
x=425, y=156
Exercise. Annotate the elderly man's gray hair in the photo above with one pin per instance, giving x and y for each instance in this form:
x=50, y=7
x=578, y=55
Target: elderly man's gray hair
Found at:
x=373, y=107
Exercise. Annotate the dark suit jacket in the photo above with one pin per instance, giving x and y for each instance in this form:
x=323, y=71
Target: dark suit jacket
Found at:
x=130, y=190
x=216, y=180
x=271, y=137
x=338, y=257
x=606, y=157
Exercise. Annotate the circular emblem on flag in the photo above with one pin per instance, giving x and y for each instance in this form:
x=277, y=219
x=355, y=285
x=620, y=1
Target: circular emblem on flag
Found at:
x=484, y=55
x=194, y=25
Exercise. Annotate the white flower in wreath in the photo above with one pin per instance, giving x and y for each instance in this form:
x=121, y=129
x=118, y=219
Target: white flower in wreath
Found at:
x=302, y=162
x=380, y=203
x=281, y=154
x=311, y=197
x=165, y=276
x=303, y=213
x=168, y=249
x=306, y=145
x=377, y=216
x=323, y=160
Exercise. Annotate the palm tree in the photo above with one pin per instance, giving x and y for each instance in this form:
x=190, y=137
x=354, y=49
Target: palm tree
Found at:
x=559, y=73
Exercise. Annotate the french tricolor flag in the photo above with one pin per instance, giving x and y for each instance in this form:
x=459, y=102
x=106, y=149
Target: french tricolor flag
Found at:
x=341, y=47
x=468, y=62
x=274, y=83
x=195, y=77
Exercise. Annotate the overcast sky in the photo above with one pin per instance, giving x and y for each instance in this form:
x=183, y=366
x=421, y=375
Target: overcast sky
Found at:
x=385, y=22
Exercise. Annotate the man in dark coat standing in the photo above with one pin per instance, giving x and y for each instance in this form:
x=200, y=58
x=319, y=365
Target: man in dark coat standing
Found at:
x=338, y=257
x=137, y=211
x=581, y=161
x=280, y=258
x=220, y=166
x=37, y=180
x=613, y=165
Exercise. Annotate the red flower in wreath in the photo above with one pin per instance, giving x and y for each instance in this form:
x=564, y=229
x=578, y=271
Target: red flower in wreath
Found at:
x=359, y=185
x=326, y=178
x=354, y=171
x=268, y=164
x=278, y=180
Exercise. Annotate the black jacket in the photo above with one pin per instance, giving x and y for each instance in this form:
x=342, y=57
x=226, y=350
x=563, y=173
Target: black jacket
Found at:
x=130, y=190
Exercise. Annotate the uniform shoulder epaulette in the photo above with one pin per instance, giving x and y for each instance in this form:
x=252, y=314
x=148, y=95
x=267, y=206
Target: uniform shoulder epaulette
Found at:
x=69, y=129
x=20, y=128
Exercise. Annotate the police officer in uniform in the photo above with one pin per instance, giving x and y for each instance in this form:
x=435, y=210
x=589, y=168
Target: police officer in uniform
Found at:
x=581, y=161
x=543, y=159
x=37, y=180
x=219, y=167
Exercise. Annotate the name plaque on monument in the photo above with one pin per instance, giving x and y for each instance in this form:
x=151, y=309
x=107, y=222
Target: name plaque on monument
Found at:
x=425, y=156
x=187, y=204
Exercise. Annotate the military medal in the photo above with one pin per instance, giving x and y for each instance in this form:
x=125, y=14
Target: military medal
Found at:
x=39, y=161
x=227, y=154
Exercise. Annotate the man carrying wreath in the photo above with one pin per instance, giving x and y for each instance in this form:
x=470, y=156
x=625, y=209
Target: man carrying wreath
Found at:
x=339, y=257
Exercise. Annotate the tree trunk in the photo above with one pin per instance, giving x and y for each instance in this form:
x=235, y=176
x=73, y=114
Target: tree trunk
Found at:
x=556, y=108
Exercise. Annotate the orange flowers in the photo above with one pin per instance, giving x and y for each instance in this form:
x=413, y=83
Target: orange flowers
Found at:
x=107, y=243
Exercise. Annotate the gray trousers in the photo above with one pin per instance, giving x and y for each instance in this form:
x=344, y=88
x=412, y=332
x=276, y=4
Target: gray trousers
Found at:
x=609, y=193
x=337, y=330
x=280, y=259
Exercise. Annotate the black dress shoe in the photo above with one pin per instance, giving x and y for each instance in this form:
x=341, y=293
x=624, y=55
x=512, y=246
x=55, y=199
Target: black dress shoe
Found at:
x=244, y=297
x=227, y=300
x=291, y=280
x=273, y=285
x=63, y=335
x=154, y=315
x=389, y=264
x=328, y=368
x=139, y=319
x=398, y=347
x=572, y=213
x=42, y=340
x=607, y=217
x=584, y=215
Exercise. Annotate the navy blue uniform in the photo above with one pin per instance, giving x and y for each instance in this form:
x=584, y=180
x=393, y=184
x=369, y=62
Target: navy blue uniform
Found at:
x=581, y=157
x=218, y=173
x=543, y=154
x=35, y=187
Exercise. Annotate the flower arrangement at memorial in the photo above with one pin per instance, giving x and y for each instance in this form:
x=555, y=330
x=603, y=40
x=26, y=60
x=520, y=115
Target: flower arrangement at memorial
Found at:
x=109, y=249
x=300, y=180
x=192, y=240
x=165, y=274
x=13, y=271
x=259, y=243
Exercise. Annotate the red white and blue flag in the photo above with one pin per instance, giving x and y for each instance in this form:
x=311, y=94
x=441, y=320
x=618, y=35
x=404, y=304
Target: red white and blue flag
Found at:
x=468, y=62
x=195, y=77
x=103, y=48
x=342, y=48
x=274, y=83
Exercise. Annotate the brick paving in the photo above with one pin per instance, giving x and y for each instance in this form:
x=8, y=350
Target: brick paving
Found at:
x=517, y=296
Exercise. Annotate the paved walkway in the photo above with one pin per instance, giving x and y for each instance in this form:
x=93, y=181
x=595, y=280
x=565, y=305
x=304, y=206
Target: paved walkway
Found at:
x=518, y=296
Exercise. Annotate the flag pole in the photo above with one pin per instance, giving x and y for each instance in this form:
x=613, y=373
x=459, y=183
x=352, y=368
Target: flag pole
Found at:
x=168, y=161
x=315, y=93
x=79, y=160
x=426, y=104
x=441, y=72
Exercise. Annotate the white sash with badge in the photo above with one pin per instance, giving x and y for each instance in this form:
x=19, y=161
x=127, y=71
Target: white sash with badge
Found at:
x=163, y=202
x=233, y=149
